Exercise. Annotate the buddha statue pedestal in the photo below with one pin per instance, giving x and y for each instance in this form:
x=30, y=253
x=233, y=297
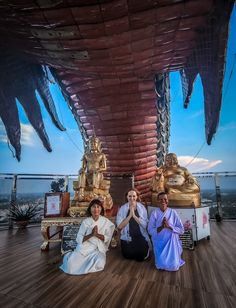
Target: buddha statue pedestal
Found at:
x=80, y=203
x=193, y=200
x=189, y=200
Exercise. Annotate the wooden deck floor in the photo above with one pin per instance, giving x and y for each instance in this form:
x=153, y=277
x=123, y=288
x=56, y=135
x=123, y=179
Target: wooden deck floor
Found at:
x=30, y=278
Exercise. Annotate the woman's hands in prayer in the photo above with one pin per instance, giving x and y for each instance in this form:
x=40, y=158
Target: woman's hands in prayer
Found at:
x=132, y=207
x=165, y=224
x=94, y=233
x=95, y=230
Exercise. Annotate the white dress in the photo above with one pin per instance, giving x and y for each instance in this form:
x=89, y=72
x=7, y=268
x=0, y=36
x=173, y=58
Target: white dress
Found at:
x=89, y=256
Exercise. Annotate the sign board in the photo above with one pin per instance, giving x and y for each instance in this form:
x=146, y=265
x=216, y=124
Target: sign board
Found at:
x=69, y=235
x=187, y=239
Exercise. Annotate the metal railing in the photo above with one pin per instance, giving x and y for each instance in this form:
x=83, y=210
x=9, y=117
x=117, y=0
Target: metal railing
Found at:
x=27, y=189
x=218, y=190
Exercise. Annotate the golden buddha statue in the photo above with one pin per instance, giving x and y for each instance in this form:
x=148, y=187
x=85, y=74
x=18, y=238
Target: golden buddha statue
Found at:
x=91, y=183
x=182, y=188
x=93, y=164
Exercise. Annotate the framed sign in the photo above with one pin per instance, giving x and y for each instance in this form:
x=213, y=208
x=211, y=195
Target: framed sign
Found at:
x=69, y=235
x=56, y=204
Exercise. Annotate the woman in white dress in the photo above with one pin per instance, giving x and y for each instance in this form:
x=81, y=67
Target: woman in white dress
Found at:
x=93, y=240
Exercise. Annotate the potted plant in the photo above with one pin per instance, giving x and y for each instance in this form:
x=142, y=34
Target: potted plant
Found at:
x=58, y=185
x=21, y=215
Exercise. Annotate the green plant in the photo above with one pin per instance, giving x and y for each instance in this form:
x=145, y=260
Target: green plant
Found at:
x=23, y=213
x=58, y=185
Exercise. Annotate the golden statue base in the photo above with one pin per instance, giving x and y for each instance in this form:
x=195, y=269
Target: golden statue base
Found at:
x=77, y=211
x=80, y=203
x=184, y=200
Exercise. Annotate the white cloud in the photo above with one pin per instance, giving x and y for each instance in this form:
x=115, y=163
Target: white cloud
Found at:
x=196, y=114
x=228, y=126
x=3, y=138
x=27, y=134
x=198, y=164
x=3, y=135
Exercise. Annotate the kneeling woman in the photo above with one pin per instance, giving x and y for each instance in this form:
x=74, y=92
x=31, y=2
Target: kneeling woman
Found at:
x=132, y=222
x=93, y=239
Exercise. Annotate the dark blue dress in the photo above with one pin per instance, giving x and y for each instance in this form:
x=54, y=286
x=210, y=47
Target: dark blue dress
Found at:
x=138, y=248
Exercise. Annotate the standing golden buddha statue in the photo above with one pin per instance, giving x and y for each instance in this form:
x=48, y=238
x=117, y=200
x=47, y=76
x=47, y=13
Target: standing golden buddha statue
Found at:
x=91, y=183
x=93, y=165
x=182, y=188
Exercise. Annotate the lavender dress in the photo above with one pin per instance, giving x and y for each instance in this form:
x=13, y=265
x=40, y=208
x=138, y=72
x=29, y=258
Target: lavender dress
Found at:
x=166, y=244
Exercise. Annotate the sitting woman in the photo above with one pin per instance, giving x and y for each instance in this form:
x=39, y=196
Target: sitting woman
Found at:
x=93, y=239
x=132, y=222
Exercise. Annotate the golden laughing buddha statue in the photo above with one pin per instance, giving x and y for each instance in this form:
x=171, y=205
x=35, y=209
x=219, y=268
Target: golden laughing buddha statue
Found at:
x=182, y=188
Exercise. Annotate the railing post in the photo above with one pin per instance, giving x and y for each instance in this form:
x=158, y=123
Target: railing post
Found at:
x=13, y=198
x=66, y=184
x=219, y=214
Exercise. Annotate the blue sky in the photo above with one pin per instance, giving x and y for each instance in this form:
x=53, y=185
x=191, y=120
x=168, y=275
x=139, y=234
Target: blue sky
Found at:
x=187, y=125
x=187, y=131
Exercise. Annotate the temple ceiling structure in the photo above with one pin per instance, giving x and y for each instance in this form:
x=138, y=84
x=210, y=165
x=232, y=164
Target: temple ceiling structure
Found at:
x=112, y=60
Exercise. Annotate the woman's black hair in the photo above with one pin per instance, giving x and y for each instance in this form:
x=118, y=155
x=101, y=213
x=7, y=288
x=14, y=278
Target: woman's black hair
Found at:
x=98, y=202
x=161, y=193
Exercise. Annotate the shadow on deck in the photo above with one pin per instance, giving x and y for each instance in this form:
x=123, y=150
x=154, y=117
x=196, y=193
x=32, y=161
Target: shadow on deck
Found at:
x=31, y=278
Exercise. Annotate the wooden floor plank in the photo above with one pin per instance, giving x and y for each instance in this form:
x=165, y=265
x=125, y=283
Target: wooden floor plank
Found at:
x=31, y=278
